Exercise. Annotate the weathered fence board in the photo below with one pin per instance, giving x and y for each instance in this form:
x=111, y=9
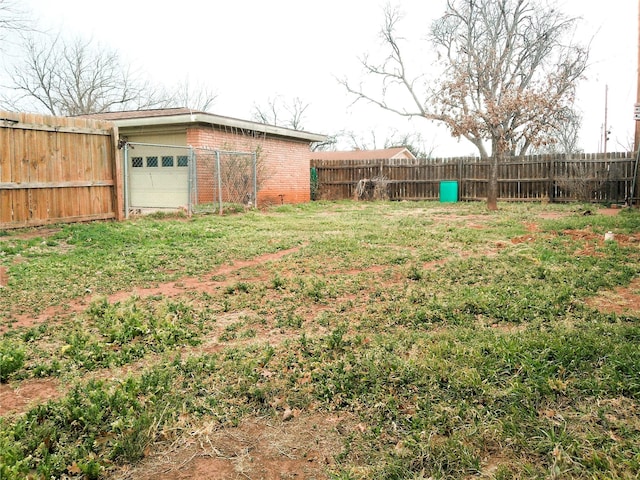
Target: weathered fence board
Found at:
x=55, y=170
x=562, y=178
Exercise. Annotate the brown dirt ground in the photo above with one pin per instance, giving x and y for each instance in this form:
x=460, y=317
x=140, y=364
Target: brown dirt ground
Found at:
x=622, y=301
x=4, y=277
x=18, y=397
x=301, y=448
x=43, y=232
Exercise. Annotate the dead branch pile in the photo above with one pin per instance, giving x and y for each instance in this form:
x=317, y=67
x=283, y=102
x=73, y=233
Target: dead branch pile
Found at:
x=376, y=188
x=583, y=181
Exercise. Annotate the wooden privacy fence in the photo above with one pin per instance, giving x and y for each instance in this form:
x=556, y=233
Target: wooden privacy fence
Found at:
x=56, y=170
x=557, y=178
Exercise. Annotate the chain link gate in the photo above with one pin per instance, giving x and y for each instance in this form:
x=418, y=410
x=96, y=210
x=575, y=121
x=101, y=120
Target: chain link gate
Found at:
x=196, y=180
x=223, y=179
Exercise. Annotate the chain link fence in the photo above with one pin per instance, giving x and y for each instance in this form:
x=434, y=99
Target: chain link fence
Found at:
x=223, y=180
x=196, y=180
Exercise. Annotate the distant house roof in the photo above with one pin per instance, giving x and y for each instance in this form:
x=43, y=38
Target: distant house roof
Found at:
x=382, y=154
x=185, y=116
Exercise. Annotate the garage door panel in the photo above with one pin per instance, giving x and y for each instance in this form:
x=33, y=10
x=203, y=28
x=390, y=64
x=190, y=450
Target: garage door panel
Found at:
x=158, y=180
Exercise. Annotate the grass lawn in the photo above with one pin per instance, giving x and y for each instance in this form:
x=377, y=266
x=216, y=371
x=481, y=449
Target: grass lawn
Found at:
x=327, y=340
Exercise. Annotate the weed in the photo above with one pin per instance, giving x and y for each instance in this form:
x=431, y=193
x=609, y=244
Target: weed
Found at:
x=277, y=283
x=240, y=287
x=414, y=273
x=12, y=356
x=336, y=340
x=291, y=320
x=316, y=291
x=231, y=331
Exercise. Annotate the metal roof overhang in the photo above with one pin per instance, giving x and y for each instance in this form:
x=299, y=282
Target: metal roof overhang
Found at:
x=201, y=118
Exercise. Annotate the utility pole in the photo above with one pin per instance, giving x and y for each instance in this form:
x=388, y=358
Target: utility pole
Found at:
x=636, y=139
x=605, y=129
x=636, y=143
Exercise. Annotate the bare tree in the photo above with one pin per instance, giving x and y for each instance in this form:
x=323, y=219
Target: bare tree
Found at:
x=194, y=96
x=12, y=19
x=563, y=138
x=567, y=134
x=508, y=75
x=414, y=142
x=626, y=144
x=365, y=141
x=281, y=112
x=77, y=77
x=329, y=144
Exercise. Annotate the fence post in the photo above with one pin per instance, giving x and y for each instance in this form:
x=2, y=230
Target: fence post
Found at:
x=634, y=182
x=219, y=181
x=126, y=180
x=255, y=179
x=551, y=167
x=192, y=183
x=459, y=177
x=118, y=199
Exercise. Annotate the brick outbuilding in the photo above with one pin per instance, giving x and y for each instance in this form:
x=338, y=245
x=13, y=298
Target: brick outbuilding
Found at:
x=159, y=180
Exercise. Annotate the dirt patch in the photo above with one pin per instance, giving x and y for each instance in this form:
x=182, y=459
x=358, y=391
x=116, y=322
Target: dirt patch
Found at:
x=29, y=234
x=491, y=464
x=17, y=398
x=584, y=235
x=594, y=241
x=553, y=215
x=198, y=283
x=4, y=277
x=532, y=227
x=523, y=239
x=622, y=301
x=434, y=264
x=264, y=448
x=469, y=219
x=609, y=211
x=357, y=271
x=204, y=283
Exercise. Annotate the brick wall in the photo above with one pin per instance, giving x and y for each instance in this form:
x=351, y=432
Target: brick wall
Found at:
x=283, y=164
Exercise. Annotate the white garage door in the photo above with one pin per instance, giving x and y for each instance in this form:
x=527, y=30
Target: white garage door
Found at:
x=158, y=179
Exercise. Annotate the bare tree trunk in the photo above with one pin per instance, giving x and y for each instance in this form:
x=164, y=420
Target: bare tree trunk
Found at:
x=492, y=185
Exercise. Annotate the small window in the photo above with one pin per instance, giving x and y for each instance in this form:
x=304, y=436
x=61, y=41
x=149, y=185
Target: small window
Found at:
x=167, y=161
x=183, y=161
x=152, y=161
x=136, y=162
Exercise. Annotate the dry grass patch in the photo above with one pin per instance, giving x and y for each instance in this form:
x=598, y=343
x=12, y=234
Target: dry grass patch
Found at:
x=304, y=446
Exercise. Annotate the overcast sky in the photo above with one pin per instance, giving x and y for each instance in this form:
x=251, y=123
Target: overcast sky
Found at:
x=251, y=50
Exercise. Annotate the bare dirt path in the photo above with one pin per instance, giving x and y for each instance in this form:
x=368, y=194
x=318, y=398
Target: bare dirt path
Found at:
x=202, y=283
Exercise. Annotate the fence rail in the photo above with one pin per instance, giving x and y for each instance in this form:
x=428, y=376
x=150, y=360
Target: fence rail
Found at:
x=562, y=178
x=55, y=170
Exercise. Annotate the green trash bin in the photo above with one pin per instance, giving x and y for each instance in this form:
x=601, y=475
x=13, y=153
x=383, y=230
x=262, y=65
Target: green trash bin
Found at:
x=448, y=191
